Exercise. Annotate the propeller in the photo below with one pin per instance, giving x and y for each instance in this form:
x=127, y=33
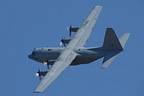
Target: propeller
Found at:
x=62, y=42
x=70, y=30
x=38, y=75
x=48, y=65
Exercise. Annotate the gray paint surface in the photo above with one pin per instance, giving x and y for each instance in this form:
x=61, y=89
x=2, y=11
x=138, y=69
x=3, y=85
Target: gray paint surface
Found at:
x=74, y=53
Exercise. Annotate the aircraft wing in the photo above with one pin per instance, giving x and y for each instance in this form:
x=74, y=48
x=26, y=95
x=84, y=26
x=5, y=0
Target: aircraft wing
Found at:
x=68, y=55
x=63, y=61
x=85, y=30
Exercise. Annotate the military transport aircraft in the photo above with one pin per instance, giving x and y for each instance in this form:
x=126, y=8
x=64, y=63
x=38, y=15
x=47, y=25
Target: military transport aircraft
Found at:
x=74, y=53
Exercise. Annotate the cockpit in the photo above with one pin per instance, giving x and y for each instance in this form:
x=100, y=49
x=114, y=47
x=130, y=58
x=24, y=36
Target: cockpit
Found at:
x=38, y=51
x=33, y=53
x=45, y=53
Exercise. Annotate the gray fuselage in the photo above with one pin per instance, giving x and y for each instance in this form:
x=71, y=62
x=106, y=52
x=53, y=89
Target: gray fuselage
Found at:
x=49, y=55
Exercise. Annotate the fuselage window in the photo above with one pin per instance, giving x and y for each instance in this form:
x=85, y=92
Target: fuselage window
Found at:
x=49, y=49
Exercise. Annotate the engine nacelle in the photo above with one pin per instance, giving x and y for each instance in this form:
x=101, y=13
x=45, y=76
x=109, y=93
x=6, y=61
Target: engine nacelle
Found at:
x=65, y=41
x=74, y=29
x=42, y=73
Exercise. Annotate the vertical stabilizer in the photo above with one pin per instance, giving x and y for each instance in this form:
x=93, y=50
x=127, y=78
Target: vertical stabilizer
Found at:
x=111, y=42
x=112, y=46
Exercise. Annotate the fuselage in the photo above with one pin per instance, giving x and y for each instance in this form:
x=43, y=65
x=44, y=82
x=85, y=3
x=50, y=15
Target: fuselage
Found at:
x=49, y=55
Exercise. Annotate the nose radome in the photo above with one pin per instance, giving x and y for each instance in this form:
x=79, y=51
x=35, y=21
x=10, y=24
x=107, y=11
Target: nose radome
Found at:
x=29, y=56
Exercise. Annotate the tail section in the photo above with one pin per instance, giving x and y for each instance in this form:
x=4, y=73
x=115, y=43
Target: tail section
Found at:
x=112, y=46
x=108, y=59
x=124, y=39
x=111, y=41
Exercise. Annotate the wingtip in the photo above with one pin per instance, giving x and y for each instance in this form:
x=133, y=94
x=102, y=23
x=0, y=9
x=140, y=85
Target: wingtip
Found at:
x=103, y=67
x=98, y=6
x=36, y=91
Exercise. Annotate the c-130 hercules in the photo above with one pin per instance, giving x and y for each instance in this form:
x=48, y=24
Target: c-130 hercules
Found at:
x=74, y=53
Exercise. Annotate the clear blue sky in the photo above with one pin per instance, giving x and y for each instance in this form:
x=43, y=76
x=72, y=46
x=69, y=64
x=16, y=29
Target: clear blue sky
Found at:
x=28, y=24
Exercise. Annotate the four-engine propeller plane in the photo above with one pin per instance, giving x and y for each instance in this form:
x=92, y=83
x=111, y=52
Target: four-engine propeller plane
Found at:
x=74, y=53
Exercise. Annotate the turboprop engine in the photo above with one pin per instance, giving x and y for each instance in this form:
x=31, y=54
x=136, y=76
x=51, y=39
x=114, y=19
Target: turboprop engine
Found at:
x=72, y=29
x=64, y=41
x=41, y=73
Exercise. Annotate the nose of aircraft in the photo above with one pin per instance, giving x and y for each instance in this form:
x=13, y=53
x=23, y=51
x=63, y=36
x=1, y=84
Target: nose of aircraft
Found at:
x=31, y=55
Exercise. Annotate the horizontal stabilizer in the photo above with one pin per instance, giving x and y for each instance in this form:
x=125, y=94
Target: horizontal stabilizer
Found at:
x=108, y=59
x=124, y=39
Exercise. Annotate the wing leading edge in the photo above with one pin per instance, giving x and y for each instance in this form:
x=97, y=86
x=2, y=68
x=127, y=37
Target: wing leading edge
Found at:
x=68, y=55
x=85, y=30
x=63, y=61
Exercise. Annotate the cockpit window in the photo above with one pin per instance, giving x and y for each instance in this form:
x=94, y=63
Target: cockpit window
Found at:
x=33, y=53
x=49, y=49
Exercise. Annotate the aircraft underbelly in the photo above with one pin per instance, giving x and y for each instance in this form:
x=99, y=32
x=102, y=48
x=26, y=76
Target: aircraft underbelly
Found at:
x=85, y=59
x=78, y=60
